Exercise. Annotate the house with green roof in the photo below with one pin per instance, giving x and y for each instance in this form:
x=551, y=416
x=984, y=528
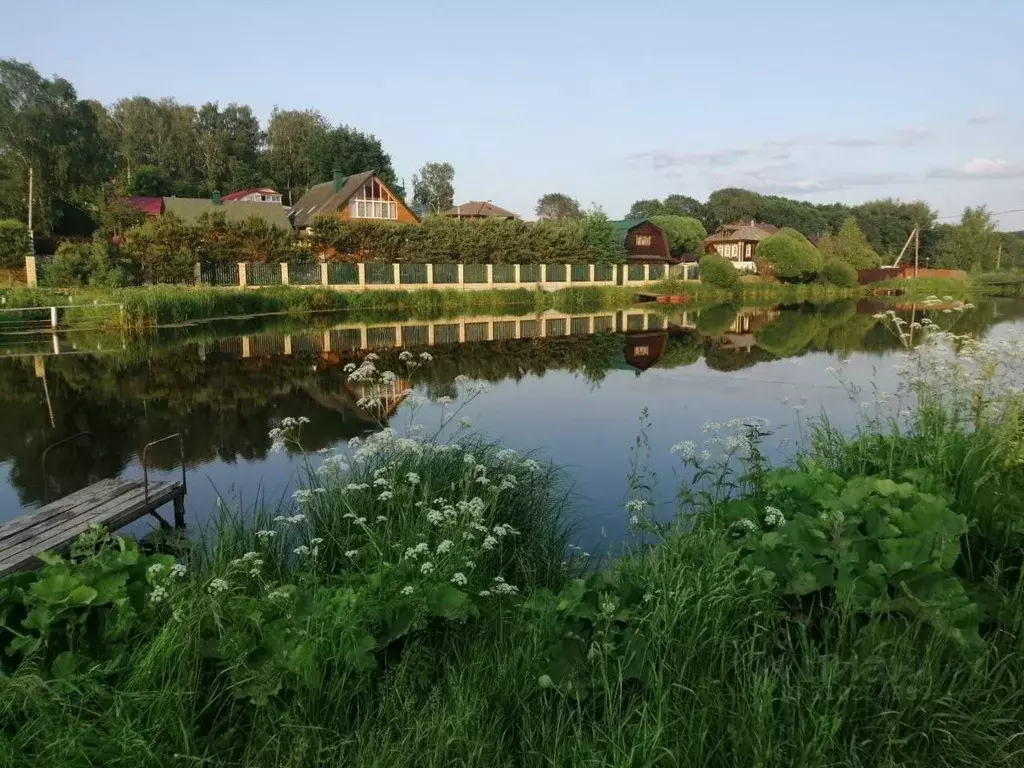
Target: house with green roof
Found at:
x=643, y=240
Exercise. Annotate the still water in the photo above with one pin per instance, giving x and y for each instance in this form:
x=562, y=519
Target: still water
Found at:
x=571, y=387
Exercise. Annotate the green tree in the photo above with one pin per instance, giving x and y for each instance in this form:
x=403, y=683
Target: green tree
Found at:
x=732, y=204
x=433, y=189
x=685, y=234
x=887, y=224
x=973, y=245
x=14, y=245
x=839, y=273
x=350, y=151
x=719, y=272
x=150, y=181
x=851, y=247
x=556, y=205
x=790, y=255
x=683, y=205
x=601, y=238
x=291, y=135
x=646, y=209
x=718, y=318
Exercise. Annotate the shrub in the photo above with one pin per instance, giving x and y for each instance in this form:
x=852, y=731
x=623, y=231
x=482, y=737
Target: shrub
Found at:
x=716, y=319
x=685, y=234
x=790, y=255
x=719, y=272
x=14, y=245
x=92, y=263
x=839, y=273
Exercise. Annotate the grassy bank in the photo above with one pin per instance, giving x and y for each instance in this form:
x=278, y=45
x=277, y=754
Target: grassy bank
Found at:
x=861, y=607
x=168, y=305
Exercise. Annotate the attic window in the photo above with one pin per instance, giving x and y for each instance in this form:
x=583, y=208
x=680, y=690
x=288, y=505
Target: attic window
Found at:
x=643, y=240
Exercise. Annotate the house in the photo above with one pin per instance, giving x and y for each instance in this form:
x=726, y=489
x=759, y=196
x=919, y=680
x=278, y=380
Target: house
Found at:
x=643, y=240
x=191, y=209
x=151, y=206
x=738, y=240
x=477, y=210
x=259, y=195
x=362, y=196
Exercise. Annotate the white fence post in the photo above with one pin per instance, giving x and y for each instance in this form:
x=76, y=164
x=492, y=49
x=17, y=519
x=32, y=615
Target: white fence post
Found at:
x=396, y=274
x=430, y=274
x=31, y=276
x=242, y=277
x=284, y=273
x=361, y=272
x=323, y=274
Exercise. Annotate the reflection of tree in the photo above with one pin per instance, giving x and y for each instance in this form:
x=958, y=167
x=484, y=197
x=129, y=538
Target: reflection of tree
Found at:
x=682, y=348
x=718, y=318
x=790, y=334
x=720, y=357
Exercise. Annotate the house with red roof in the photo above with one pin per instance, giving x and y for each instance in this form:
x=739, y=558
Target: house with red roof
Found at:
x=151, y=206
x=257, y=195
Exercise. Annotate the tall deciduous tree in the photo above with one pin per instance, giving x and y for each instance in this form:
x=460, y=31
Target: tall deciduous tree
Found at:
x=288, y=160
x=685, y=233
x=350, y=151
x=851, y=247
x=645, y=209
x=556, y=205
x=433, y=187
x=973, y=245
x=732, y=204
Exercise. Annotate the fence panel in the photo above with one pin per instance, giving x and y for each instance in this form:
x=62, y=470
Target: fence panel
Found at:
x=476, y=331
x=503, y=273
x=636, y=272
x=414, y=335
x=384, y=336
x=346, y=338
x=634, y=322
x=581, y=273
x=304, y=274
x=604, y=324
x=263, y=274
x=447, y=333
x=474, y=273
x=529, y=273
x=555, y=327
x=446, y=274
x=504, y=329
x=604, y=272
x=529, y=329
x=307, y=343
x=579, y=326
x=555, y=273
x=380, y=274
x=657, y=271
x=342, y=274
x=413, y=274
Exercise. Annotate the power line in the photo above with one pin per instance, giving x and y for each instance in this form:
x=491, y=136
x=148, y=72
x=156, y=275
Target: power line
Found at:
x=992, y=213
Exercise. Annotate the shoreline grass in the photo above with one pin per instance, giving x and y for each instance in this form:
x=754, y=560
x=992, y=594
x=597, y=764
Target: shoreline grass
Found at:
x=862, y=606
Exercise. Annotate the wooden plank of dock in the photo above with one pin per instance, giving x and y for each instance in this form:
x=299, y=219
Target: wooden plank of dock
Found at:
x=111, y=503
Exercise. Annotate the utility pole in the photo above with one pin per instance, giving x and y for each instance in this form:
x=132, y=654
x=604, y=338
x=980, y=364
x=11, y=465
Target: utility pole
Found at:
x=31, y=238
x=917, y=248
x=999, y=256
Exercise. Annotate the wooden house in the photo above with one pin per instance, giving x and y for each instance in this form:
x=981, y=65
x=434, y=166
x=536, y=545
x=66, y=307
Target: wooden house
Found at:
x=738, y=240
x=362, y=196
x=643, y=240
x=476, y=210
x=258, y=195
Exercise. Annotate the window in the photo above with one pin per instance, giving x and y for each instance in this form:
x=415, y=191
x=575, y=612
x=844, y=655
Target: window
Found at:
x=643, y=241
x=748, y=251
x=373, y=202
x=641, y=351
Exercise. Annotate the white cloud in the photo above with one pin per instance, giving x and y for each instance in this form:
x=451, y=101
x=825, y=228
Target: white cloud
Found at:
x=983, y=116
x=980, y=168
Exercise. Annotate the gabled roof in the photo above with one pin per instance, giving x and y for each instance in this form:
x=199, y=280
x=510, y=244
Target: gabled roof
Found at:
x=244, y=192
x=480, y=208
x=150, y=205
x=192, y=208
x=745, y=233
x=324, y=198
x=622, y=227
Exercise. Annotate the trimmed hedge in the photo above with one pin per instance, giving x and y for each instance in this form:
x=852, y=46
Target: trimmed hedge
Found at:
x=719, y=272
x=839, y=273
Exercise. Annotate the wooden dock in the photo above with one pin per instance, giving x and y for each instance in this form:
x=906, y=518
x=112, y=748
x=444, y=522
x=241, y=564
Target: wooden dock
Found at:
x=111, y=503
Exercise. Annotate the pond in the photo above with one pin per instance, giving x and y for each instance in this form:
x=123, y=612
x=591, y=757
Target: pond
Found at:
x=579, y=389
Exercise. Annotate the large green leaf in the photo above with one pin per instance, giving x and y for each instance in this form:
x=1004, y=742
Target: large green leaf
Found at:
x=449, y=602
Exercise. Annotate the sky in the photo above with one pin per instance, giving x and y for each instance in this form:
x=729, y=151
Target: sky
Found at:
x=609, y=103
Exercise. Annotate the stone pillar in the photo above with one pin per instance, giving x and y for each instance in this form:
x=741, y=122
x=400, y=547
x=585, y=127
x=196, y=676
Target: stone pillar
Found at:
x=242, y=276
x=284, y=273
x=647, y=273
x=462, y=284
x=430, y=276
x=568, y=273
x=361, y=272
x=246, y=351
x=490, y=276
x=197, y=273
x=288, y=345
x=362, y=337
x=326, y=343
x=543, y=273
x=31, y=276
x=430, y=329
x=590, y=273
x=515, y=274
x=462, y=326
x=324, y=280
x=397, y=274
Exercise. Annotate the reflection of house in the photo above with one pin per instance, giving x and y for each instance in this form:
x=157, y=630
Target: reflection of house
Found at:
x=362, y=196
x=260, y=195
x=479, y=210
x=643, y=240
x=192, y=208
x=642, y=350
x=738, y=241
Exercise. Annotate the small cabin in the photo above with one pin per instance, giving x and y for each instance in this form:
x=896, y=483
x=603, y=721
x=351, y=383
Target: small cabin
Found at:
x=643, y=240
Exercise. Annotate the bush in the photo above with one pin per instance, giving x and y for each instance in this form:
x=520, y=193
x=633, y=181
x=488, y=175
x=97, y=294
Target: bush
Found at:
x=791, y=256
x=719, y=272
x=92, y=263
x=717, y=319
x=14, y=245
x=839, y=273
x=685, y=234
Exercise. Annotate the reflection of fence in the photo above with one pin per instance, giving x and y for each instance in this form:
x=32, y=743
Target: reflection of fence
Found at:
x=384, y=275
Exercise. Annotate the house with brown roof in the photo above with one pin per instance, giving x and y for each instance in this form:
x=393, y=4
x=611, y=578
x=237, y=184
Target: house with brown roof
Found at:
x=362, y=196
x=477, y=210
x=738, y=240
x=643, y=240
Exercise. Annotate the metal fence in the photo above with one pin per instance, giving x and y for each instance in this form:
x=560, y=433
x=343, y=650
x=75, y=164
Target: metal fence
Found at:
x=503, y=273
x=413, y=274
x=263, y=274
x=529, y=273
x=581, y=273
x=474, y=273
x=446, y=274
x=555, y=273
x=342, y=274
x=304, y=274
x=380, y=274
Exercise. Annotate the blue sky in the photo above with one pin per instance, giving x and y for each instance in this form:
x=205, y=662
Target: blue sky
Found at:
x=606, y=102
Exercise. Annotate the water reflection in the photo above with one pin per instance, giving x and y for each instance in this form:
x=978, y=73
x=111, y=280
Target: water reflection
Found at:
x=224, y=387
